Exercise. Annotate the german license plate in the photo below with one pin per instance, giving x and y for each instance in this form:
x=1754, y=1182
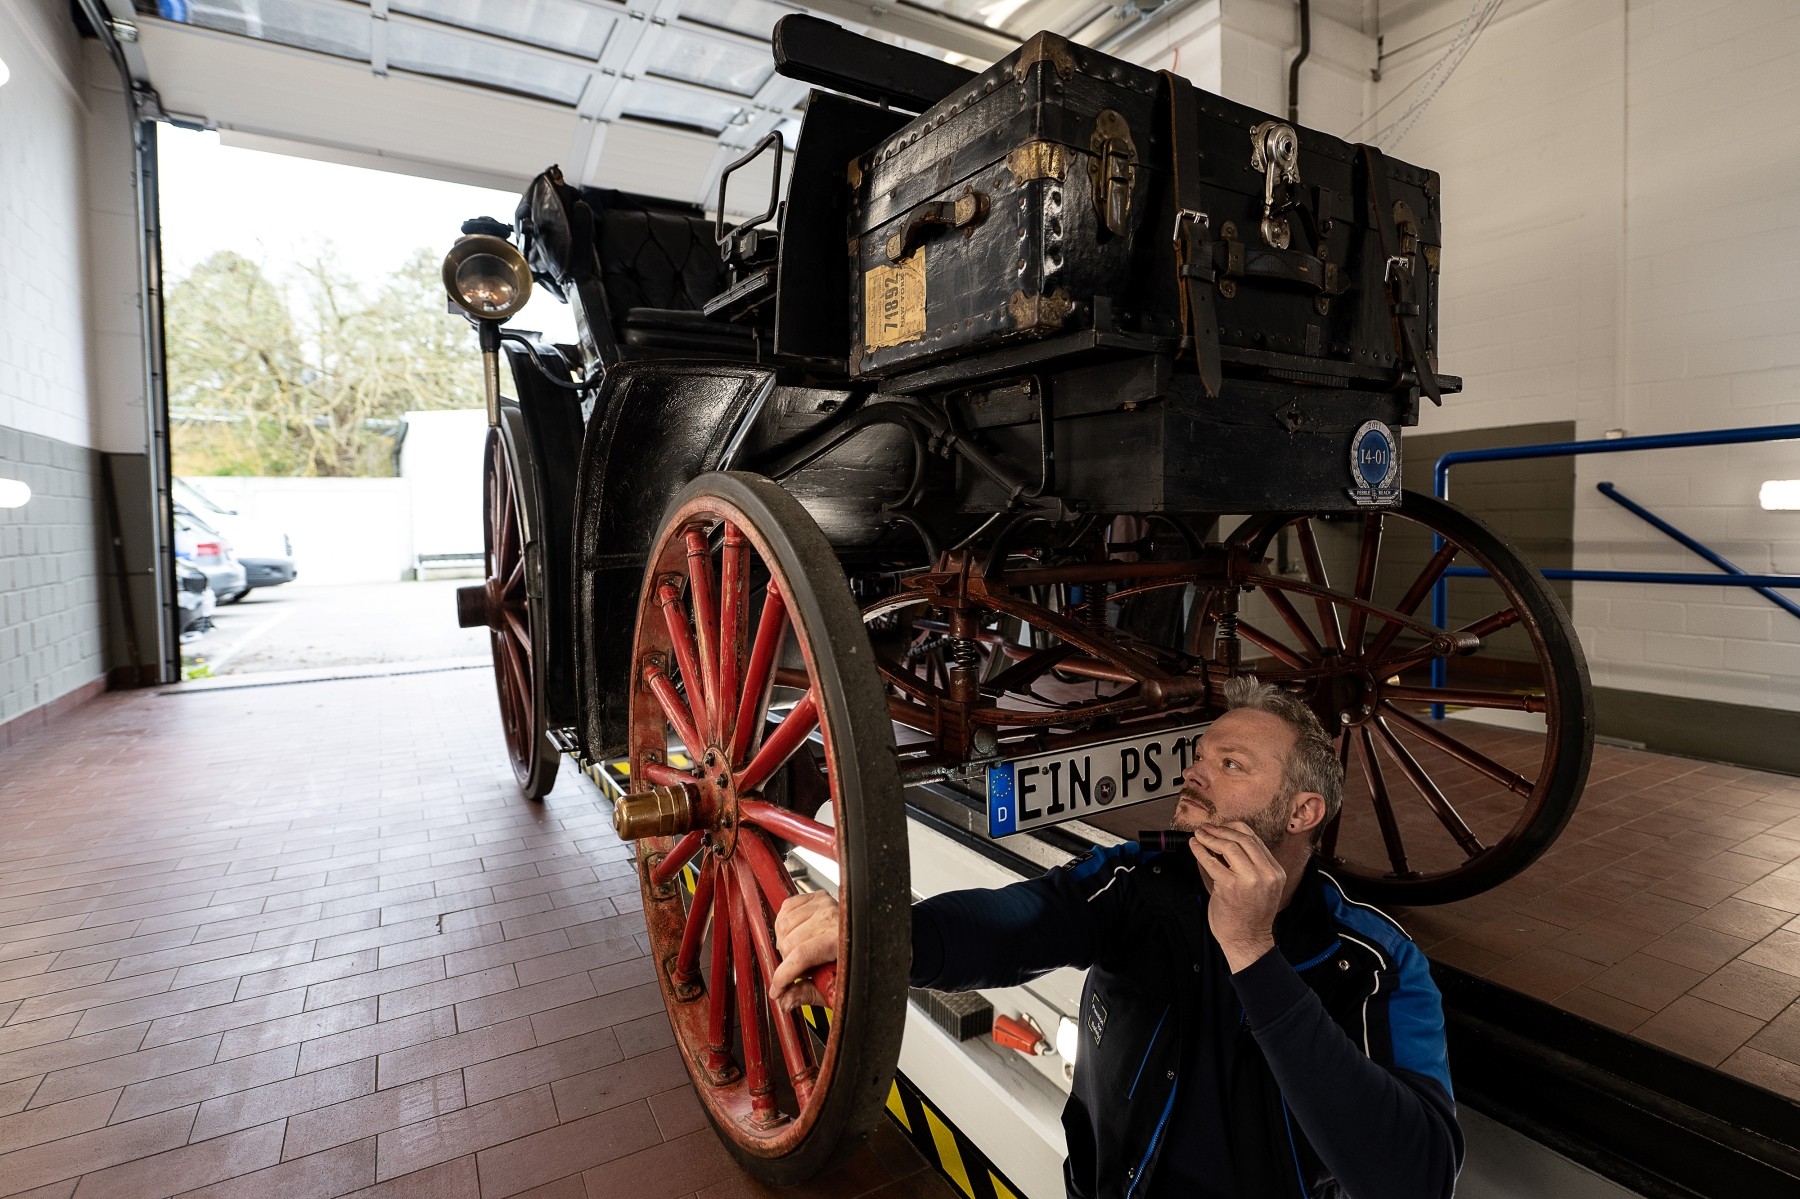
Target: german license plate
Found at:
x=1045, y=789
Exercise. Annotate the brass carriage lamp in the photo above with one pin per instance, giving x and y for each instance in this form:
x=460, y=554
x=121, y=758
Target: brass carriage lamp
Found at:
x=487, y=278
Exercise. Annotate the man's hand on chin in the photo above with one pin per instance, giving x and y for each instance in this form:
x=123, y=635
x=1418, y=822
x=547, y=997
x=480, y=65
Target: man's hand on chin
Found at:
x=806, y=936
x=1246, y=884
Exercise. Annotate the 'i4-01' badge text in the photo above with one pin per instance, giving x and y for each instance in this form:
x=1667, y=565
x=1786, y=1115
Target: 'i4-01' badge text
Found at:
x=1374, y=465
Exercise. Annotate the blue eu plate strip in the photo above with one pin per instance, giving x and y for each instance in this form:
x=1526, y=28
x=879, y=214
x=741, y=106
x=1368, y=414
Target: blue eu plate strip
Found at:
x=1003, y=815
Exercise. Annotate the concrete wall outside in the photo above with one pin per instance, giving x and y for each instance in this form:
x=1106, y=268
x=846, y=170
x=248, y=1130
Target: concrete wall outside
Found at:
x=343, y=530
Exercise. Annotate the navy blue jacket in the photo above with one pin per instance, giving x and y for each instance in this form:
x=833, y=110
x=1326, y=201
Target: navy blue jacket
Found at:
x=1317, y=1071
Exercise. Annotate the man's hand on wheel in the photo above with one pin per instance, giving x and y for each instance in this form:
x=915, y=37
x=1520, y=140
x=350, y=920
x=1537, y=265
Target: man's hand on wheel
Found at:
x=806, y=936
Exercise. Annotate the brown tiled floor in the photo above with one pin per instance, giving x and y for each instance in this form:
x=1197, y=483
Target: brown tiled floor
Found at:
x=1668, y=909
x=307, y=941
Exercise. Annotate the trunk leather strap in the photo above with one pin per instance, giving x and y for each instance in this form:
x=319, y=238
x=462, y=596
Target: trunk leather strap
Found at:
x=1195, y=272
x=1405, y=276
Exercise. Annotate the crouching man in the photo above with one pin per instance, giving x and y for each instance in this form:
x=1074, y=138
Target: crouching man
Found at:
x=1246, y=1030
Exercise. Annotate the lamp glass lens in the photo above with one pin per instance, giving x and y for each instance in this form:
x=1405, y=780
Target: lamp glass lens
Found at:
x=486, y=282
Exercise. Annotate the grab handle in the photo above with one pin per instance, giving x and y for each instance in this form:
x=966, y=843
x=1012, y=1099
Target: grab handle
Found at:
x=723, y=235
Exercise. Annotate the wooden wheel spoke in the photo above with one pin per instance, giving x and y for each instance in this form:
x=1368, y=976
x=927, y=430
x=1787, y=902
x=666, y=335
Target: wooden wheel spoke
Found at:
x=771, y=877
x=704, y=597
x=749, y=997
x=693, y=929
x=1256, y=636
x=1487, y=626
x=771, y=631
x=665, y=776
x=1428, y=791
x=1315, y=573
x=1384, y=805
x=516, y=628
x=718, y=984
x=1329, y=837
x=676, y=710
x=1415, y=595
x=791, y=826
x=515, y=581
x=515, y=673
x=800, y=721
x=1517, y=783
x=1285, y=607
x=679, y=856
x=1366, y=560
x=503, y=479
x=1510, y=701
x=799, y=1068
x=676, y=621
x=734, y=580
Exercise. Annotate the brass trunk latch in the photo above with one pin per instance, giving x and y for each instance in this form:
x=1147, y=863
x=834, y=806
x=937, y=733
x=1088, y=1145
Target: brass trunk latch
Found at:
x=1112, y=168
x=1275, y=151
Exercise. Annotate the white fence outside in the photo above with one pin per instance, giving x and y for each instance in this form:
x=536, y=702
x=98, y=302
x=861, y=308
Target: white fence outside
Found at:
x=373, y=530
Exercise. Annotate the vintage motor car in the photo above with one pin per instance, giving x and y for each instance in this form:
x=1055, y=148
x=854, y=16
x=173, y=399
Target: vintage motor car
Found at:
x=958, y=483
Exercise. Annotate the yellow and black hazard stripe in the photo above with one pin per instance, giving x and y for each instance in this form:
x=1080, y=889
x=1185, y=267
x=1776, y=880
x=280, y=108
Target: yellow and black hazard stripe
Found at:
x=954, y=1155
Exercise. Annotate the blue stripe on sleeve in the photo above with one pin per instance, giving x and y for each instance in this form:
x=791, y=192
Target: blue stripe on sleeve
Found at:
x=1415, y=1008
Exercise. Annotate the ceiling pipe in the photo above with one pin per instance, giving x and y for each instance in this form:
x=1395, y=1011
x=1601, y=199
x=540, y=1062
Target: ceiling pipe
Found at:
x=1294, y=67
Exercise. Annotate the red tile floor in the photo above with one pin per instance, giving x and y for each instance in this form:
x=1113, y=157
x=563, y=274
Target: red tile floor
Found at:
x=1668, y=909
x=307, y=941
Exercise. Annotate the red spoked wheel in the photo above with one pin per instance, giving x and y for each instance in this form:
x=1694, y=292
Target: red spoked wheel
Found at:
x=758, y=729
x=1455, y=780
x=516, y=618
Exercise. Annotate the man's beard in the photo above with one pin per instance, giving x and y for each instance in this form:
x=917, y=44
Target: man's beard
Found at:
x=1269, y=824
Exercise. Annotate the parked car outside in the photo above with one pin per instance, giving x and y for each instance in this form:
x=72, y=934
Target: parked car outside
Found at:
x=267, y=554
x=196, y=600
x=200, y=545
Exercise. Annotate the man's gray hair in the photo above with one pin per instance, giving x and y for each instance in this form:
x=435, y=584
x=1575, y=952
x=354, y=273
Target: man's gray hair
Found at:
x=1313, y=765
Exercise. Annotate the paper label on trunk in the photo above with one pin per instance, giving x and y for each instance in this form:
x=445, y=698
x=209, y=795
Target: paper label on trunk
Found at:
x=894, y=302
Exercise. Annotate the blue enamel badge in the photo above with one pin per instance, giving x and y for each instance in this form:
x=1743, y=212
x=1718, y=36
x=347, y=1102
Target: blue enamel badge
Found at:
x=1374, y=465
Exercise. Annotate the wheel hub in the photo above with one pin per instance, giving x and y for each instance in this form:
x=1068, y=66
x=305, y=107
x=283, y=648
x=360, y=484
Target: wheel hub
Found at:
x=718, y=814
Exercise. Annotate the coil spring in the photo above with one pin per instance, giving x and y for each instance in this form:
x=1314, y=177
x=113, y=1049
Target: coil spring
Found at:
x=1227, y=628
x=964, y=654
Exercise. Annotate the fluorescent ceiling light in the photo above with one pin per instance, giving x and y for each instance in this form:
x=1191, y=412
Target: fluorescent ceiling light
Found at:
x=1780, y=495
x=4, y=73
x=13, y=493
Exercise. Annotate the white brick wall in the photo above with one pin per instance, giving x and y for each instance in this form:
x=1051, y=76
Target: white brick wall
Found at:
x=43, y=349
x=1620, y=244
x=71, y=378
x=1622, y=238
x=1241, y=49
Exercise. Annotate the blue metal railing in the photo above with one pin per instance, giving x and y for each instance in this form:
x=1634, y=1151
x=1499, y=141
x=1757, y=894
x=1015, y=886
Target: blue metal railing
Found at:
x=1734, y=576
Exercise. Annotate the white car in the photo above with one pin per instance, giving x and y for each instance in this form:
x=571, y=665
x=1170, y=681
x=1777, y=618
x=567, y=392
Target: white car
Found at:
x=266, y=554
